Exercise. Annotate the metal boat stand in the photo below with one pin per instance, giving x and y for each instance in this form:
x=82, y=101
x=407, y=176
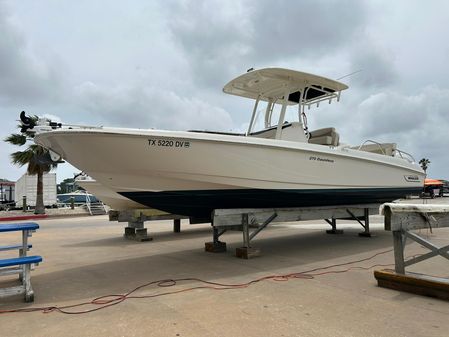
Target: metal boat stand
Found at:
x=401, y=219
x=244, y=219
x=362, y=220
x=136, y=218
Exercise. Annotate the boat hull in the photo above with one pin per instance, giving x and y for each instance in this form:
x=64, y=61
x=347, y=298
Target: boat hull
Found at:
x=108, y=196
x=193, y=173
x=201, y=203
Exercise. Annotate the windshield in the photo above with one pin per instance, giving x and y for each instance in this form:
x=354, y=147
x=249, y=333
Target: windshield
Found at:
x=263, y=121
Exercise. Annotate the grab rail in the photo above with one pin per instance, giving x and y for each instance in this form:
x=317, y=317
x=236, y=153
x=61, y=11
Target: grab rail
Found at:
x=402, y=154
x=374, y=142
x=408, y=157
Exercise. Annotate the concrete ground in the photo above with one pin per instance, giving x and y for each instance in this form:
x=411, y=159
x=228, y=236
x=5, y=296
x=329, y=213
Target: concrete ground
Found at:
x=87, y=257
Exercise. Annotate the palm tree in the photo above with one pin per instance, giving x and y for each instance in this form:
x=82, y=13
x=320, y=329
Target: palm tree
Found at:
x=424, y=164
x=38, y=160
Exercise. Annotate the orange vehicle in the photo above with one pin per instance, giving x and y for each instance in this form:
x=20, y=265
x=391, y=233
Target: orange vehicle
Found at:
x=433, y=188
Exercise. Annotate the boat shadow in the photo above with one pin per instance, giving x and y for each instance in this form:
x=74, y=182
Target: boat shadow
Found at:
x=159, y=236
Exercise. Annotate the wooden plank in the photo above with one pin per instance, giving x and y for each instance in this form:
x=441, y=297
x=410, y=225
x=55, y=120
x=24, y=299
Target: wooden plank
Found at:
x=413, y=216
x=418, y=208
x=410, y=221
x=10, y=270
x=414, y=283
x=398, y=252
x=294, y=209
x=137, y=214
x=145, y=214
x=12, y=291
x=229, y=217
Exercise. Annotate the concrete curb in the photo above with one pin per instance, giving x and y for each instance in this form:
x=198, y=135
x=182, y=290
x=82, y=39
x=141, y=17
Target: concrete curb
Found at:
x=40, y=217
x=24, y=217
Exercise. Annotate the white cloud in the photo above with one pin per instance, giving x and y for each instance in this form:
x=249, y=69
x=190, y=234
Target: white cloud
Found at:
x=53, y=118
x=390, y=113
x=376, y=66
x=25, y=78
x=151, y=107
x=221, y=39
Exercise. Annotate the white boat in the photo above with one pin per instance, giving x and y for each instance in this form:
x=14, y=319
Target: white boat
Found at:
x=279, y=164
x=106, y=195
x=79, y=198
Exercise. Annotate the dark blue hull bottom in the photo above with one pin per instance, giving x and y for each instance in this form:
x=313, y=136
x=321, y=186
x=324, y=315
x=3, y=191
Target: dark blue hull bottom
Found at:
x=200, y=204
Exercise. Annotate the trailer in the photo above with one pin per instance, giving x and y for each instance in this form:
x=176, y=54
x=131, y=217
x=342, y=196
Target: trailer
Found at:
x=6, y=194
x=26, y=187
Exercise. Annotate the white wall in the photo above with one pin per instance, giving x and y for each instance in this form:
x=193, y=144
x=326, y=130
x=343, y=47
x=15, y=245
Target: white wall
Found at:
x=27, y=185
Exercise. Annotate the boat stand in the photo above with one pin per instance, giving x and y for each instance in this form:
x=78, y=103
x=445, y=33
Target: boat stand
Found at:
x=136, y=221
x=365, y=218
x=362, y=220
x=136, y=231
x=333, y=223
x=246, y=219
x=401, y=219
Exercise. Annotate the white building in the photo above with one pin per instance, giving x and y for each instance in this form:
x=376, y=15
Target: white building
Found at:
x=27, y=186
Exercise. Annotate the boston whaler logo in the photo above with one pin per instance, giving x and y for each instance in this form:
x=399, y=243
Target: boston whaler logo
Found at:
x=169, y=143
x=412, y=179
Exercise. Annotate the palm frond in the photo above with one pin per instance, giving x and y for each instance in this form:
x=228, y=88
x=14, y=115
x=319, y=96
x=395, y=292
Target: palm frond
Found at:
x=21, y=158
x=16, y=139
x=35, y=156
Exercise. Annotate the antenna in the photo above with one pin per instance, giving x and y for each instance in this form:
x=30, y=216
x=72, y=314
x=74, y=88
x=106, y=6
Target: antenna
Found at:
x=355, y=72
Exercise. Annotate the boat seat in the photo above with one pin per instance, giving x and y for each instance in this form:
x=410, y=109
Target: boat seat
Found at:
x=325, y=136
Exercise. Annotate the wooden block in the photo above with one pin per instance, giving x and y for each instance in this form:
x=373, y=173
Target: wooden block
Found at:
x=137, y=234
x=130, y=232
x=113, y=215
x=366, y=235
x=334, y=231
x=215, y=247
x=414, y=283
x=247, y=253
x=142, y=235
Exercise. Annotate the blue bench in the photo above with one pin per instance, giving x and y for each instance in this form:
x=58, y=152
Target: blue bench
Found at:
x=18, y=261
x=12, y=247
x=14, y=227
x=19, y=265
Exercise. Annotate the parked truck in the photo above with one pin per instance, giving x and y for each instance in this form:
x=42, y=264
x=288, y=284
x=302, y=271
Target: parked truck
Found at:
x=27, y=186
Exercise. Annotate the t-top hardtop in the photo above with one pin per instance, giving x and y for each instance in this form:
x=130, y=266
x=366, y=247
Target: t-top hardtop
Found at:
x=272, y=84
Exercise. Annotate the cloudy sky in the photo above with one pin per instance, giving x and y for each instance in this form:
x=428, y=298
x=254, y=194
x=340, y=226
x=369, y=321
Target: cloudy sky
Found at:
x=162, y=64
